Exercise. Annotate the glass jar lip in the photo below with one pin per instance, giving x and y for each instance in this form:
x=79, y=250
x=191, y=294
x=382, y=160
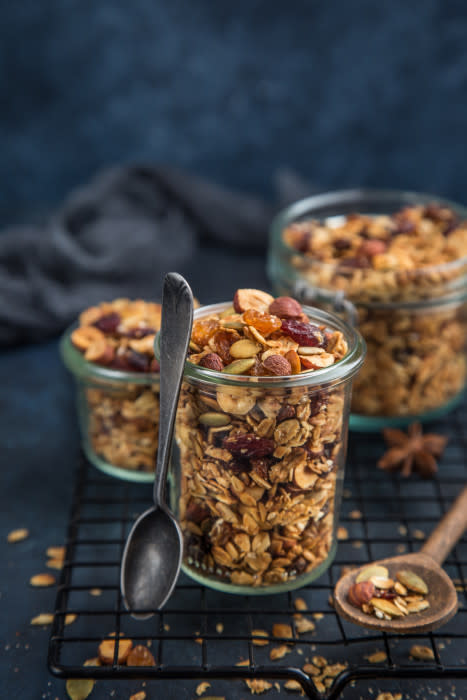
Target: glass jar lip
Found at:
x=75, y=362
x=368, y=196
x=336, y=373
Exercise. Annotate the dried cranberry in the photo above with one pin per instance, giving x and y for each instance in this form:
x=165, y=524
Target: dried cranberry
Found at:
x=387, y=595
x=404, y=226
x=354, y=263
x=137, y=361
x=303, y=333
x=260, y=466
x=138, y=333
x=342, y=243
x=155, y=366
x=249, y=445
x=300, y=564
x=108, y=323
x=196, y=512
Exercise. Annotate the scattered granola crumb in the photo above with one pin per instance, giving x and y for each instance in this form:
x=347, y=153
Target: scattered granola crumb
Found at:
x=70, y=618
x=260, y=642
x=243, y=662
x=347, y=493
x=17, y=535
x=96, y=591
x=401, y=548
x=342, y=533
x=304, y=624
x=277, y=686
x=199, y=640
x=55, y=564
x=280, y=629
x=377, y=657
x=79, y=688
x=279, y=652
x=166, y=627
x=421, y=653
x=355, y=514
x=312, y=669
x=389, y=696
x=138, y=696
x=357, y=544
x=42, y=580
x=258, y=685
x=42, y=619
x=300, y=604
x=318, y=615
x=56, y=552
x=219, y=627
x=202, y=687
x=293, y=685
x=419, y=534
x=402, y=529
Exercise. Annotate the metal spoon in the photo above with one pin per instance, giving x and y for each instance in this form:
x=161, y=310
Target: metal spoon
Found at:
x=153, y=551
x=442, y=594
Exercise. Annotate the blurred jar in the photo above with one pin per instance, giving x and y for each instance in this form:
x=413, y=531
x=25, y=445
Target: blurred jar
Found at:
x=111, y=357
x=258, y=467
x=413, y=319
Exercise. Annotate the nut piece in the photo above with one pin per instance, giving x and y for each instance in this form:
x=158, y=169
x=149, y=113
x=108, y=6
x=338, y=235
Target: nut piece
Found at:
x=212, y=361
x=107, y=649
x=278, y=365
x=251, y=299
x=411, y=581
x=422, y=653
x=42, y=580
x=386, y=607
x=140, y=656
x=361, y=593
x=285, y=307
x=17, y=535
x=369, y=571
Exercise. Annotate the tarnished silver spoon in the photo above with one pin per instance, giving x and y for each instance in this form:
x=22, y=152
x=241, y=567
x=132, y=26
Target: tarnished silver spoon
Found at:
x=153, y=551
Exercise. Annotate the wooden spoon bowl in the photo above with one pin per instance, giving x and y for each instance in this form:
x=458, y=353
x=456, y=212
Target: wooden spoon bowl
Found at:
x=442, y=595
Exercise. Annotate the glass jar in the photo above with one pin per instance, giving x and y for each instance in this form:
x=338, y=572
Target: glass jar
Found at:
x=414, y=322
x=118, y=415
x=258, y=467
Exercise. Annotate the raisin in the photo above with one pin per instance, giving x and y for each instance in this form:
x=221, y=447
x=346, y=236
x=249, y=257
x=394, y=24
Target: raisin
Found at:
x=137, y=361
x=260, y=466
x=155, y=366
x=342, y=243
x=196, y=512
x=108, y=323
x=263, y=322
x=138, y=333
x=249, y=445
x=287, y=411
x=203, y=330
x=300, y=564
x=303, y=333
x=222, y=340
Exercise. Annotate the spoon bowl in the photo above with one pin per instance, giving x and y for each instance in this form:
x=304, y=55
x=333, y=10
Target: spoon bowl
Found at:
x=153, y=552
x=441, y=596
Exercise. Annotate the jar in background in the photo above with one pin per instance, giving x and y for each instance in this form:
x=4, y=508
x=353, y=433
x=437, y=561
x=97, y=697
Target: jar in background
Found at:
x=110, y=353
x=258, y=467
x=413, y=317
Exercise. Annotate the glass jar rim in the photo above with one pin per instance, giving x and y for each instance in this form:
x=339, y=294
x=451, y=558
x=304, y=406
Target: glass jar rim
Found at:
x=75, y=362
x=334, y=374
x=297, y=210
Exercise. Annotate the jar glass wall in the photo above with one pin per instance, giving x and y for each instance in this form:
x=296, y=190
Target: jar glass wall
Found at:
x=257, y=470
x=413, y=319
x=118, y=416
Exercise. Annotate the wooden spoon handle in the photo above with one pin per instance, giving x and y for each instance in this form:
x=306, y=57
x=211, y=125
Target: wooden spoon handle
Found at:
x=449, y=531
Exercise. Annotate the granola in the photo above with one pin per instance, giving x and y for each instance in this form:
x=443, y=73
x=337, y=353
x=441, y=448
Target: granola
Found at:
x=122, y=419
x=259, y=461
x=399, y=270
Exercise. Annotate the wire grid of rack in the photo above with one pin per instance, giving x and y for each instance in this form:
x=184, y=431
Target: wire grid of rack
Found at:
x=204, y=634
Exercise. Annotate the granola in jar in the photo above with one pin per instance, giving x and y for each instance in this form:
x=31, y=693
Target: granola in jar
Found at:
x=111, y=355
x=405, y=271
x=261, y=433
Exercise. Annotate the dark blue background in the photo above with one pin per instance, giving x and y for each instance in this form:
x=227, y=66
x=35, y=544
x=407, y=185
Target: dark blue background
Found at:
x=346, y=93
x=350, y=92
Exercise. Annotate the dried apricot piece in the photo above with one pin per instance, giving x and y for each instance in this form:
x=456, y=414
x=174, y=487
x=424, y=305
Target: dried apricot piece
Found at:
x=203, y=330
x=263, y=322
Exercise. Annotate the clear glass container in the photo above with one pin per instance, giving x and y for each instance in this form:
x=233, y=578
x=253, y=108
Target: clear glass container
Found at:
x=118, y=415
x=414, y=323
x=258, y=467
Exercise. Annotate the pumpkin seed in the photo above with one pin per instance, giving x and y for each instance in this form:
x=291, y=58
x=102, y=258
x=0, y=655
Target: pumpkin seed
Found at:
x=386, y=607
x=412, y=581
x=79, y=688
x=399, y=588
x=214, y=420
x=370, y=571
x=244, y=348
x=227, y=312
x=418, y=607
x=239, y=366
x=234, y=325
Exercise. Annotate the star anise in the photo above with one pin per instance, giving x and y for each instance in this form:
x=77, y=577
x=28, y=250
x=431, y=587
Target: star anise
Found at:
x=412, y=452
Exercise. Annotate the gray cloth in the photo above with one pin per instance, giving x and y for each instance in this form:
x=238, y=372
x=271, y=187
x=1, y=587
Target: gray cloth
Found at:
x=117, y=237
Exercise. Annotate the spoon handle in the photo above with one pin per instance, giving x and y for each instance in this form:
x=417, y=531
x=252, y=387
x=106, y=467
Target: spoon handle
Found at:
x=448, y=531
x=177, y=319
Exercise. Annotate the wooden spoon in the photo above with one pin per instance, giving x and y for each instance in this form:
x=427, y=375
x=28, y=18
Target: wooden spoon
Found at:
x=442, y=595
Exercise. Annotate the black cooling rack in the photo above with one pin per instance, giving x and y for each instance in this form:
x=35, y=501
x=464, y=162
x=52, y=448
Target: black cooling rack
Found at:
x=203, y=634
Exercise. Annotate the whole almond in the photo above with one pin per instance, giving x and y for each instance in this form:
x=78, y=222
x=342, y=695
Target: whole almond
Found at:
x=285, y=307
x=212, y=361
x=251, y=299
x=361, y=593
x=294, y=360
x=278, y=364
